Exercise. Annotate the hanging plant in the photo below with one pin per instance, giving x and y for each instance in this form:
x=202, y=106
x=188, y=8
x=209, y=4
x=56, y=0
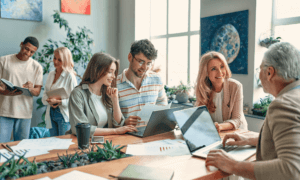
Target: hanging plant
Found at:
x=269, y=41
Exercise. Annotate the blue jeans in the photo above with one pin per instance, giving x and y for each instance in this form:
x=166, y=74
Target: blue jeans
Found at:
x=59, y=126
x=20, y=128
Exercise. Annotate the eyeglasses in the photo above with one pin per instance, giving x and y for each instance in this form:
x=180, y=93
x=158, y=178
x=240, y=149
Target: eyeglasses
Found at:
x=141, y=62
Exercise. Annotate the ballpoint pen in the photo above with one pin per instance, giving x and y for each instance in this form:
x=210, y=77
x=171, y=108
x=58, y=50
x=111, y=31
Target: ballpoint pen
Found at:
x=9, y=149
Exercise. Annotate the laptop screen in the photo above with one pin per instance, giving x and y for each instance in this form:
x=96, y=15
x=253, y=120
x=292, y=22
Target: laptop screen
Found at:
x=197, y=127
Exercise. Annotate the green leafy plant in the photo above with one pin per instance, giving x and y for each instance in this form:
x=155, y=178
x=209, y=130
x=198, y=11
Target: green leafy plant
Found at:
x=79, y=43
x=182, y=88
x=170, y=90
x=23, y=167
x=269, y=41
x=18, y=168
x=68, y=159
x=263, y=105
x=107, y=153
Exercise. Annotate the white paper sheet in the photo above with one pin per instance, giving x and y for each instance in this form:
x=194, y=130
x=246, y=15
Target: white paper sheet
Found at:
x=147, y=110
x=30, y=152
x=44, y=178
x=47, y=143
x=175, y=147
x=78, y=175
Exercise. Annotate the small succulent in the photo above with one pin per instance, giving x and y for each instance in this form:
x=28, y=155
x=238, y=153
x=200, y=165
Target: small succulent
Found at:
x=108, y=152
x=18, y=168
x=68, y=159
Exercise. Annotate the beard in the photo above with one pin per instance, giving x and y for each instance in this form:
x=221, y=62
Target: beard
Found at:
x=137, y=74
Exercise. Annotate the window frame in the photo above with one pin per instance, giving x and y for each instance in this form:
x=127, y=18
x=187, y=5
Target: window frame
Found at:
x=281, y=21
x=187, y=34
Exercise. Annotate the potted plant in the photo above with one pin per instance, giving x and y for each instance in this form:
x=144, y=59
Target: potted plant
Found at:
x=261, y=108
x=170, y=91
x=269, y=41
x=182, y=94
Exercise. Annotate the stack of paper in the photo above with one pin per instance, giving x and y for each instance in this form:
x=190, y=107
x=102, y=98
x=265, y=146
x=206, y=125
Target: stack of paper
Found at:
x=36, y=147
x=168, y=147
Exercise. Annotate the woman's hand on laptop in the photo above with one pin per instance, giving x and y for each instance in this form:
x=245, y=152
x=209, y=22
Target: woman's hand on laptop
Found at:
x=238, y=140
x=221, y=160
x=125, y=129
x=133, y=120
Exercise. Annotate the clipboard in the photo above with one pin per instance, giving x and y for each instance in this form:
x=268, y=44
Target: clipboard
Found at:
x=58, y=93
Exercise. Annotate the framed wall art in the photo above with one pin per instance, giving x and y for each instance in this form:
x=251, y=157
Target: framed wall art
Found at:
x=227, y=34
x=76, y=6
x=22, y=9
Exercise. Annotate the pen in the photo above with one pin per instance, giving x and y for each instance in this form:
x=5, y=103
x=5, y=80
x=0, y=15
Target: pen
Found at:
x=9, y=148
x=5, y=147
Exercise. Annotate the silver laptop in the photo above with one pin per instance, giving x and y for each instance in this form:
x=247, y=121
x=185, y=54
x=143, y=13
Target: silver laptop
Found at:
x=201, y=135
x=160, y=122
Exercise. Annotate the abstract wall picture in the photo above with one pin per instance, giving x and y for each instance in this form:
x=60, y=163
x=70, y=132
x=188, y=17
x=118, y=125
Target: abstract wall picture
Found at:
x=227, y=34
x=76, y=6
x=31, y=10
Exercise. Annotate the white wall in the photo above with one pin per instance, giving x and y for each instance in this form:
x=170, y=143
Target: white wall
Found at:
x=103, y=22
x=126, y=31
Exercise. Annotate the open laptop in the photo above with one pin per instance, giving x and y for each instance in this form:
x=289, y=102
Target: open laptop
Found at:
x=201, y=135
x=160, y=122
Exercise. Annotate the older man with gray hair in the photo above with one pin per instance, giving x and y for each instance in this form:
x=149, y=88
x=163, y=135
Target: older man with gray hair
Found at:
x=278, y=144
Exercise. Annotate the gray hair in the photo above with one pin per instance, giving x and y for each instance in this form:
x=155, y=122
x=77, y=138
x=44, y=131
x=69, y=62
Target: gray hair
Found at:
x=285, y=59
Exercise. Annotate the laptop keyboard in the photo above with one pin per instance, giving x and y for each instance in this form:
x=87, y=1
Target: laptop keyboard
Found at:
x=140, y=131
x=220, y=146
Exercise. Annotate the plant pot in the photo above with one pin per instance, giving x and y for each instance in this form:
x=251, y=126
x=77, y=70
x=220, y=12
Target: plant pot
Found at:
x=257, y=112
x=182, y=97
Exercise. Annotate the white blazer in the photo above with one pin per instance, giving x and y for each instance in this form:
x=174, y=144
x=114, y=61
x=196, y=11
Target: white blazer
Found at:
x=66, y=80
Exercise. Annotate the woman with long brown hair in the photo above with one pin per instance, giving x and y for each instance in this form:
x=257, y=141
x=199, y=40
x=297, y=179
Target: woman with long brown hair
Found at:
x=222, y=95
x=95, y=100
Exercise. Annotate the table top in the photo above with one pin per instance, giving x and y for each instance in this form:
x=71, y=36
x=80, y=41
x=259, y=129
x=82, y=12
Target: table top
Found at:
x=185, y=167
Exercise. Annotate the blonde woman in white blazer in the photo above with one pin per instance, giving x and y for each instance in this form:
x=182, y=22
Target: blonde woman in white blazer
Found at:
x=57, y=112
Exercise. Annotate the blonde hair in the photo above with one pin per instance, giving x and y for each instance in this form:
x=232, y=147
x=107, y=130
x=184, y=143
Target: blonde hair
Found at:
x=66, y=59
x=203, y=88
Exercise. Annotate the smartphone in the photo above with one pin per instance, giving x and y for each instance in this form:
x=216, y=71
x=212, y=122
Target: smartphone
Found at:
x=98, y=139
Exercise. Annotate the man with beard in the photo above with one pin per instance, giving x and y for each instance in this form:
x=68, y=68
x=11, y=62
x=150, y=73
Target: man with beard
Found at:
x=15, y=108
x=138, y=85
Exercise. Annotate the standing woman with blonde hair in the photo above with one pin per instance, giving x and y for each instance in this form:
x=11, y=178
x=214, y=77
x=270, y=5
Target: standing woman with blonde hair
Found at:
x=222, y=95
x=64, y=76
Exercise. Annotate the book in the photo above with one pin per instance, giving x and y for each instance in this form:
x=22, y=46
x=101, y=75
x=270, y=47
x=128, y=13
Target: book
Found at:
x=11, y=86
x=133, y=171
x=58, y=93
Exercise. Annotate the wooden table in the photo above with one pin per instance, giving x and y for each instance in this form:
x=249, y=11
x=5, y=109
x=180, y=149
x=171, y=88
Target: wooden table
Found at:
x=185, y=167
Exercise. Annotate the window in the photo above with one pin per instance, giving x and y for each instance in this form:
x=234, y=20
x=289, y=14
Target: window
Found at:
x=173, y=26
x=286, y=20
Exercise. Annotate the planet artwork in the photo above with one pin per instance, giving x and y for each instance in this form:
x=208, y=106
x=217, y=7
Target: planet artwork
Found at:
x=226, y=40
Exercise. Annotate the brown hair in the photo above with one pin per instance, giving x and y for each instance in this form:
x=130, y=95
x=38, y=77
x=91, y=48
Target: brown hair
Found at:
x=203, y=88
x=97, y=68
